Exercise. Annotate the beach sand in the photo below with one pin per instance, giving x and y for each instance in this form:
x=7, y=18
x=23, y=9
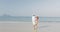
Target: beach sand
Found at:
x=27, y=27
x=50, y=27
x=16, y=27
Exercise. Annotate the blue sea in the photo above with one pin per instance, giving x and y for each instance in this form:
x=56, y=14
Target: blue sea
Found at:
x=28, y=19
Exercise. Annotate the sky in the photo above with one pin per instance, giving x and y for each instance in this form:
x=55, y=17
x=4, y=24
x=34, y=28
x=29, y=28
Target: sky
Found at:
x=44, y=8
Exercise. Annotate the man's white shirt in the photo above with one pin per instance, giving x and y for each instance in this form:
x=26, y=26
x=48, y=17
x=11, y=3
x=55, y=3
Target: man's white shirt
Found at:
x=33, y=20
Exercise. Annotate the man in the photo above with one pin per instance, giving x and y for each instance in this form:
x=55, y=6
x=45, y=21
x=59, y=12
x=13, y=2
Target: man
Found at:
x=33, y=21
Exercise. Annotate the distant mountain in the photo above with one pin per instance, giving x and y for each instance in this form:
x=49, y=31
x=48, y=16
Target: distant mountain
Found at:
x=5, y=15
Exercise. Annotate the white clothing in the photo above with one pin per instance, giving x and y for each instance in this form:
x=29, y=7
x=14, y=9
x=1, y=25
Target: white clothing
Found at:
x=33, y=20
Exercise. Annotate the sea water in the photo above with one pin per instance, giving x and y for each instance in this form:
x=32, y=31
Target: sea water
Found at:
x=29, y=19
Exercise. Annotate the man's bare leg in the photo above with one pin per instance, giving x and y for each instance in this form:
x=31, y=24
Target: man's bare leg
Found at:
x=34, y=28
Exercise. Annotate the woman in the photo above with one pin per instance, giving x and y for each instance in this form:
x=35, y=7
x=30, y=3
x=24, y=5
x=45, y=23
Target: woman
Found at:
x=36, y=21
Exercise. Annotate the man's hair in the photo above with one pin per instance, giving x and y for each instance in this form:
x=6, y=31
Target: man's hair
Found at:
x=33, y=15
